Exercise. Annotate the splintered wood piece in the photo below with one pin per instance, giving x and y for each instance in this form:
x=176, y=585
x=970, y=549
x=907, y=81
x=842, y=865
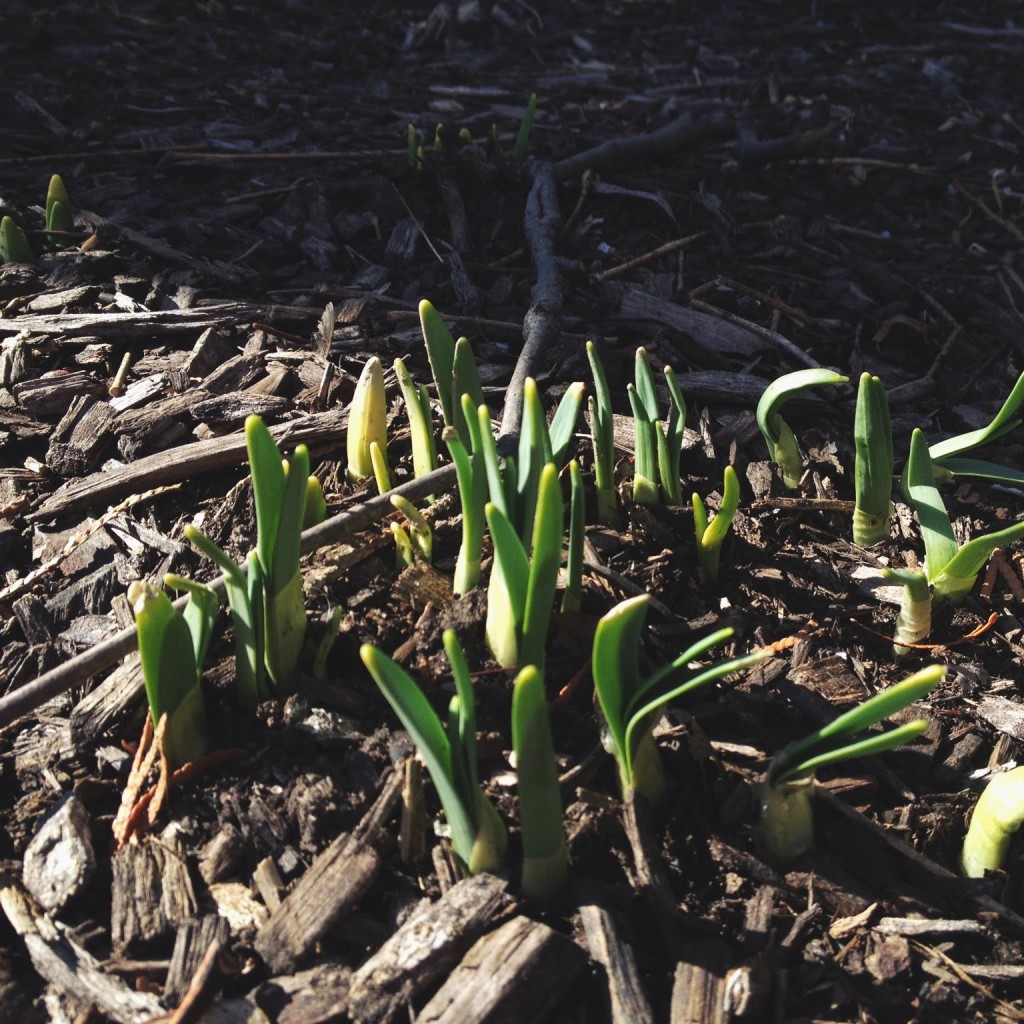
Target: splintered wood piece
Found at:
x=52, y=393
x=314, y=996
x=329, y=890
x=187, y=461
x=711, y=333
x=520, y=972
x=77, y=441
x=626, y=995
x=194, y=939
x=143, y=326
x=71, y=970
x=151, y=891
x=425, y=947
x=698, y=991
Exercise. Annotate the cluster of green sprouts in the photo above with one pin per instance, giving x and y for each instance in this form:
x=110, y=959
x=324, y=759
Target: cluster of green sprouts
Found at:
x=519, y=503
x=58, y=220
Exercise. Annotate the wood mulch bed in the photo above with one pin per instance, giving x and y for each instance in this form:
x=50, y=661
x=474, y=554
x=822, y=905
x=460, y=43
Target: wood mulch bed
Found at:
x=745, y=192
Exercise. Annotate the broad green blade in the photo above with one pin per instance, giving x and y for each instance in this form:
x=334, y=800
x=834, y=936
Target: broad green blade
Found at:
x=268, y=484
x=463, y=743
x=465, y=381
x=165, y=649
x=971, y=558
x=251, y=632
x=57, y=193
x=441, y=353
x=534, y=454
x=670, y=442
x=544, y=564
x=472, y=496
x=652, y=699
x=936, y=529
x=1000, y=424
x=510, y=558
x=200, y=613
x=492, y=468
x=472, y=440
x=645, y=389
x=424, y=455
x=645, y=468
x=860, y=748
x=615, y=667
x=662, y=679
x=14, y=247
x=700, y=518
x=601, y=423
x=316, y=504
x=545, y=856
x=572, y=597
x=716, y=530
x=421, y=722
x=984, y=470
x=782, y=389
x=563, y=424
x=882, y=705
x=285, y=625
x=873, y=469
x=288, y=544
x=60, y=219
x=677, y=411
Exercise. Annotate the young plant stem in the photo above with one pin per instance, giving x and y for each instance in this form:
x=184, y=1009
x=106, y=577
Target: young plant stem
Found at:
x=873, y=468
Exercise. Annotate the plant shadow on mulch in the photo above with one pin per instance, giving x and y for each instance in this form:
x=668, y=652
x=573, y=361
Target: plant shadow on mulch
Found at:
x=841, y=188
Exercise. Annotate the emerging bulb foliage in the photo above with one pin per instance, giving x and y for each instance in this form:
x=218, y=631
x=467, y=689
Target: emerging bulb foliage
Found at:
x=711, y=535
x=58, y=207
x=998, y=814
x=14, y=247
x=657, y=449
x=602, y=432
x=782, y=446
x=872, y=436
x=172, y=649
x=367, y=421
x=787, y=825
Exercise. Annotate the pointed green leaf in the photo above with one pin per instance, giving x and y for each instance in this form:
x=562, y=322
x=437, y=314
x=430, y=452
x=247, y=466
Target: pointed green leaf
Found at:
x=562, y=428
x=1001, y=423
x=441, y=354
x=544, y=563
x=936, y=529
x=268, y=485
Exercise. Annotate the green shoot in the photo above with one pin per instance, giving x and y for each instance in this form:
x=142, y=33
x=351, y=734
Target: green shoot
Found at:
x=711, y=535
x=441, y=354
x=951, y=571
x=471, y=475
x=449, y=752
x=420, y=533
x=603, y=438
x=645, y=466
x=657, y=450
x=873, y=469
x=573, y=594
x=787, y=823
x=379, y=464
x=266, y=600
x=914, y=621
x=14, y=247
x=421, y=428
x=367, y=421
x=545, y=855
x=782, y=445
x=628, y=702
x=525, y=130
x=521, y=590
x=58, y=207
x=172, y=648
x=998, y=814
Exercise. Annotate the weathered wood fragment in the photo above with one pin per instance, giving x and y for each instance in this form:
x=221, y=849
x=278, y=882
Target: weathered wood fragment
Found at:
x=314, y=996
x=698, y=991
x=319, y=431
x=151, y=891
x=109, y=703
x=77, y=441
x=329, y=890
x=51, y=394
x=427, y=945
x=71, y=970
x=191, y=944
x=59, y=861
x=712, y=334
x=520, y=972
x=627, y=1000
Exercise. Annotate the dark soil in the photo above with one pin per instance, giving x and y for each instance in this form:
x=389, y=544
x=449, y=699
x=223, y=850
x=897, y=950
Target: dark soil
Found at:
x=846, y=188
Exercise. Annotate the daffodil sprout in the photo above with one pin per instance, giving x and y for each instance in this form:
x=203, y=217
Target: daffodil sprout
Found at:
x=419, y=531
x=572, y=596
x=602, y=434
x=367, y=421
x=58, y=207
x=711, y=534
x=478, y=835
x=998, y=814
x=778, y=435
x=628, y=701
x=14, y=247
x=873, y=469
x=421, y=428
x=914, y=621
x=525, y=130
x=657, y=449
x=787, y=813
x=172, y=649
